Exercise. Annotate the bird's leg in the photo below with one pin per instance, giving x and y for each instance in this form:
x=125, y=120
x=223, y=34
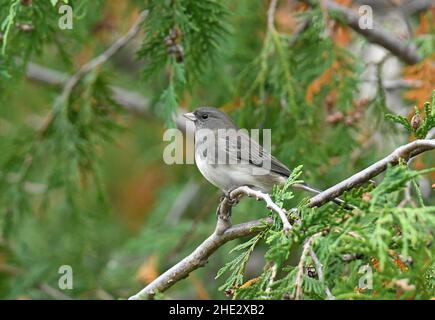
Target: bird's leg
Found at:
x=228, y=201
x=223, y=214
x=227, y=194
x=224, y=210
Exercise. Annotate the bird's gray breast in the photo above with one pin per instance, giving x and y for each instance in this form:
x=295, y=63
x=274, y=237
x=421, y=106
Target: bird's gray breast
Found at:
x=206, y=161
x=213, y=162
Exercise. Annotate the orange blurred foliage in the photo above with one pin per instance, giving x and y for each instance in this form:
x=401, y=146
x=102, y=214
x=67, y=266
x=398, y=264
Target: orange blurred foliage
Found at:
x=285, y=19
x=426, y=19
x=320, y=81
x=250, y=283
x=425, y=73
x=148, y=270
x=340, y=33
x=136, y=196
x=398, y=262
x=232, y=105
x=375, y=264
x=198, y=286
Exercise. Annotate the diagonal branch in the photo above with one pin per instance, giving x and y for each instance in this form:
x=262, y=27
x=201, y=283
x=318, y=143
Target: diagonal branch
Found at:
x=70, y=83
x=131, y=101
x=103, y=57
x=406, y=52
x=404, y=152
x=198, y=258
x=413, y=7
x=52, y=77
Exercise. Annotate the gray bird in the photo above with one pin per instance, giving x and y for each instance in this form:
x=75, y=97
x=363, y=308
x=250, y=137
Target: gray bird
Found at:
x=241, y=155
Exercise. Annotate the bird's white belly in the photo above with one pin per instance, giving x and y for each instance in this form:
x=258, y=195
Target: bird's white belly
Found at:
x=215, y=174
x=221, y=175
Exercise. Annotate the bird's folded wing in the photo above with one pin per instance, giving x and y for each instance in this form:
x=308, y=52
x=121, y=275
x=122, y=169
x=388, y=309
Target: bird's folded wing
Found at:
x=242, y=148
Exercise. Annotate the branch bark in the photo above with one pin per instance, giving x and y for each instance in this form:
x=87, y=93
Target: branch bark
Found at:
x=224, y=209
x=413, y=7
x=405, y=152
x=131, y=101
x=406, y=52
x=199, y=256
x=103, y=57
x=71, y=82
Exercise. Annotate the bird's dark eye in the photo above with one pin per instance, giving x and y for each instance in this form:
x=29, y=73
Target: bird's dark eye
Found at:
x=204, y=116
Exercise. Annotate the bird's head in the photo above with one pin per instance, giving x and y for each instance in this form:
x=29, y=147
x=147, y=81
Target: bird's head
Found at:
x=210, y=118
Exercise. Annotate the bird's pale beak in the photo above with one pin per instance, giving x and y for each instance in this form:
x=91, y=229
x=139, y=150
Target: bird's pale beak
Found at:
x=190, y=115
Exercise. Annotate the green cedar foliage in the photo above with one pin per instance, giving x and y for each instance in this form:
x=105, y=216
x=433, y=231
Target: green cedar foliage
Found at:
x=66, y=161
x=422, y=127
x=392, y=240
x=177, y=42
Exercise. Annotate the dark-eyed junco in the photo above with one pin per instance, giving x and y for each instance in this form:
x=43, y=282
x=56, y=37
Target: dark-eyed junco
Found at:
x=228, y=158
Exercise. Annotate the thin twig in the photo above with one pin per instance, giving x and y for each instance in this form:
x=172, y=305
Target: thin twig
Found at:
x=236, y=194
x=274, y=269
x=319, y=269
x=325, y=16
x=71, y=82
x=95, y=63
x=406, y=52
x=271, y=14
x=182, y=201
x=183, y=240
x=301, y=266
x=131, y=101
x=200, y=255
x=407, y=196
x=299, y=30
x=103, y=57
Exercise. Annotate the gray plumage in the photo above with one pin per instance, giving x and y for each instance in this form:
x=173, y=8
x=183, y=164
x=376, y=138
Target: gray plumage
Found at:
x=233, y=162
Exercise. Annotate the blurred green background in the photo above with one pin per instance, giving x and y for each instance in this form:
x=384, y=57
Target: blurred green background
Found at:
x=106, y=204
